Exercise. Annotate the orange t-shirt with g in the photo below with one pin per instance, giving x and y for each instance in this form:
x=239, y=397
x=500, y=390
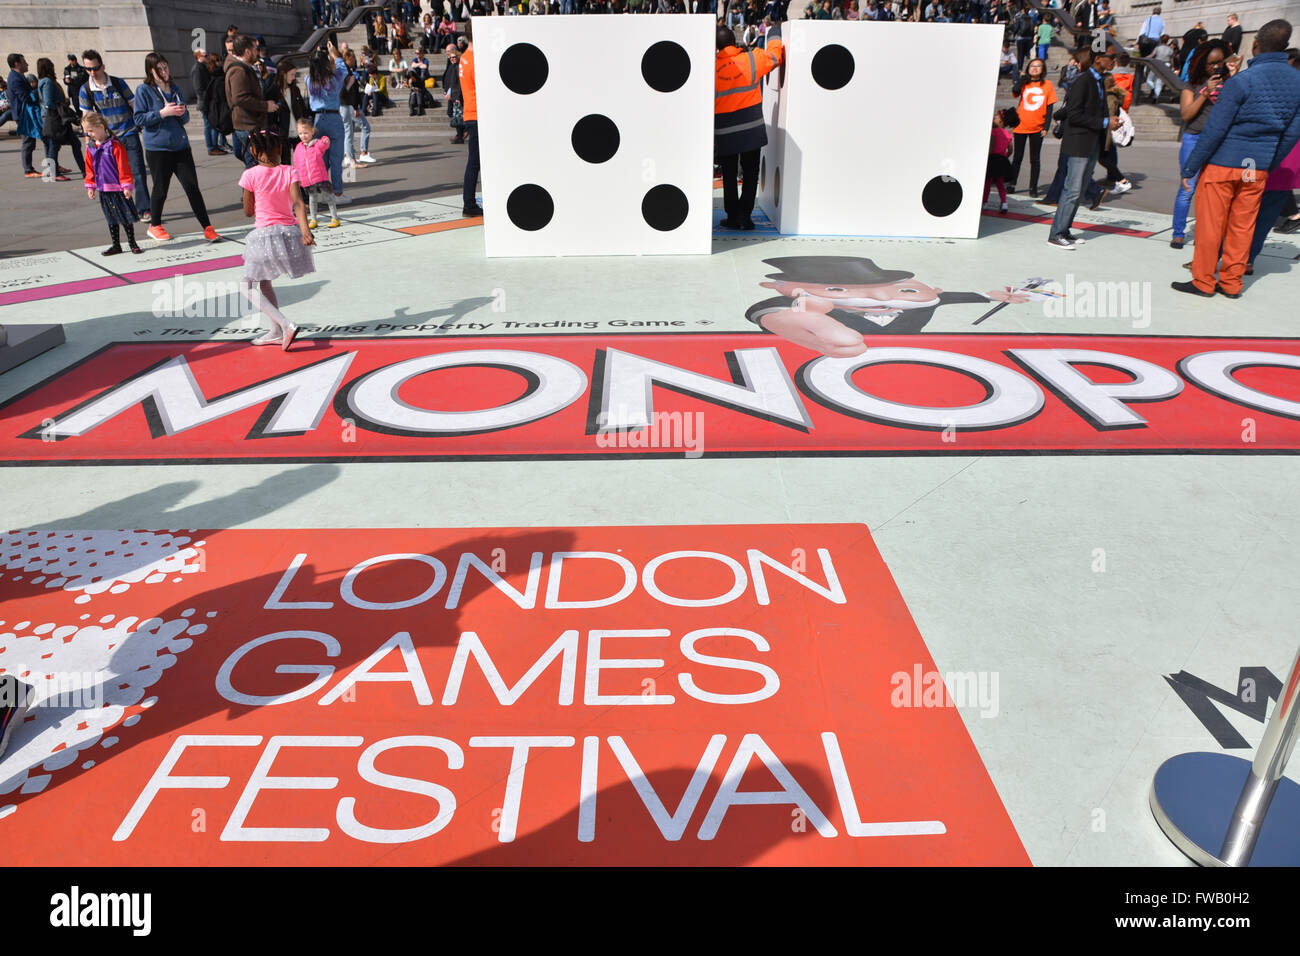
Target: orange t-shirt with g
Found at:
x=1035, y=98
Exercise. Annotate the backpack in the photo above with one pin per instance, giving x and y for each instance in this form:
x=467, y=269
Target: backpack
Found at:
x=1122, y=134
x=218, y=113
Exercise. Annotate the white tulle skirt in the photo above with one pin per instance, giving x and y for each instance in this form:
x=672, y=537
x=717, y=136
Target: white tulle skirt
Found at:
x=274, y=251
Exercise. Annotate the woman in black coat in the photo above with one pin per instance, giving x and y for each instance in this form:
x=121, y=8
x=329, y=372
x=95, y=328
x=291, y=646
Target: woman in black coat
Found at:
x=282, y=88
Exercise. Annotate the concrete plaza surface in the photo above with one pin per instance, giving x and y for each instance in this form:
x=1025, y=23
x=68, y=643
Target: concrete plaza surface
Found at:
x=1080, y=580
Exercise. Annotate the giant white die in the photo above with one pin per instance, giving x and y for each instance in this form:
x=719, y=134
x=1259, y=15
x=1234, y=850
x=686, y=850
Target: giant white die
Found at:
x=880, y=129
x=596, y=134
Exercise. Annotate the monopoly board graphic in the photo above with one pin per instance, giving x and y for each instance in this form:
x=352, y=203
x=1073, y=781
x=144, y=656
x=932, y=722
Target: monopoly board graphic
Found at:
x=565, y=396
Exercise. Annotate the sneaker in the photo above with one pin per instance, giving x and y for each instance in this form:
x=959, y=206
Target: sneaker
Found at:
x=268, y=338
x=15, y=696
x=366, y=158
x=211, y=234
x=312, y=224
x=1003, y=209
x=342, y=200
x=1101, y=198
x=159, y=234
x=348, y=162
x=333, y=224
x=1060, y=242
x=289, y=337
x=32, y=175
x=1034, y=192
x=1073, y=238
x=1190, y=288
x=472, y=211
x=1120, y=189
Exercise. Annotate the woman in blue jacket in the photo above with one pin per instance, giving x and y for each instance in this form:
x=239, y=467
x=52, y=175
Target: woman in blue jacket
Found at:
x=326, y=77
x=161, y=115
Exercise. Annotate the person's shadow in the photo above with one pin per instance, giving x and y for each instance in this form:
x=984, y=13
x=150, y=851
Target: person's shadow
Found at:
x=159, y=657
x=625, y=834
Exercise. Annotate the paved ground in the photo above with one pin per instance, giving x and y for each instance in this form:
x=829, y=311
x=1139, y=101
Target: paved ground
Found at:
x=1088, y=572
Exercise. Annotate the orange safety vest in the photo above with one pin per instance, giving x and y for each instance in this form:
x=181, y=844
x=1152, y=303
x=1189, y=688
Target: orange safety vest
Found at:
x=1125, y=82
x=738, y=97
x=467, y=90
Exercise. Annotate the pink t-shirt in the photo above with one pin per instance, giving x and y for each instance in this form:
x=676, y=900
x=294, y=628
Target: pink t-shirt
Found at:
x=1000, y=141
x=273, y=203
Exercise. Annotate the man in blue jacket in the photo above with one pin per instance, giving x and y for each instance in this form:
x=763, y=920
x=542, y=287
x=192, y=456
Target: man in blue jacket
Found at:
x=1255, y=123
x=20, y=92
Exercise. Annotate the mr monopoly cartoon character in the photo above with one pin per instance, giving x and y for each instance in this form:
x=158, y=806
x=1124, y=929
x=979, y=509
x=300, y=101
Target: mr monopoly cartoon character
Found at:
x=831, y=303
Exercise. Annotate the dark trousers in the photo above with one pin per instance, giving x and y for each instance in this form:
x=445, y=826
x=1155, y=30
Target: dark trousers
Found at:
x=471, y=164
x=29, y=150
x=1035, y=142
x=1024, y=46
x=739, y=208
x=52, y=154
x=1058, y=181
x=1270, y=207
x=163, y=164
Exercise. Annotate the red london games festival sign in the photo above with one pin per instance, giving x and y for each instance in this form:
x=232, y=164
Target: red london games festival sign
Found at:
x=646, y=695
x=574, y=396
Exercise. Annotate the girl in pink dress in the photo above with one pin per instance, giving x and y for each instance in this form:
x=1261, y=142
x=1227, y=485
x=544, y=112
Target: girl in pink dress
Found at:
x=279, y=243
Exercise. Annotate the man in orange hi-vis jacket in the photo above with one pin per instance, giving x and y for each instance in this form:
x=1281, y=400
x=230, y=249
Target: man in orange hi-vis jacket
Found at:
x=739, y=133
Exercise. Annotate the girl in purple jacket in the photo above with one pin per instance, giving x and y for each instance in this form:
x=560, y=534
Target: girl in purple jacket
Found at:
x=108, y=174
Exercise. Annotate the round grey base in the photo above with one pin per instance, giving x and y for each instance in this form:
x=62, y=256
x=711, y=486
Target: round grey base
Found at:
x=1194, y=795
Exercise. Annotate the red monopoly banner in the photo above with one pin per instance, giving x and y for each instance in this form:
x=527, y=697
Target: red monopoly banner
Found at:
x=646, y=695
x=574, y=396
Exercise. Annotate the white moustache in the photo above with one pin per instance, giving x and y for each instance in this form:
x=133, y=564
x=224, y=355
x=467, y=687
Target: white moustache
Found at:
x=883, y=303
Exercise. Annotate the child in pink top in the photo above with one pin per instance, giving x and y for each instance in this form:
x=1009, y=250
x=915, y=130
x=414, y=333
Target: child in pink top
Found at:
x=278, y=244
x=310, y=160
x=999, y=166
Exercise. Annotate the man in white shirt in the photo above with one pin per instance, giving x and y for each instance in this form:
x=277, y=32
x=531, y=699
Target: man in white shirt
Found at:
x=1153, y=28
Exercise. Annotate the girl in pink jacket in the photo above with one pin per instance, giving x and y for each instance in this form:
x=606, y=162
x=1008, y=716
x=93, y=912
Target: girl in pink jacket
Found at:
x=310, y=161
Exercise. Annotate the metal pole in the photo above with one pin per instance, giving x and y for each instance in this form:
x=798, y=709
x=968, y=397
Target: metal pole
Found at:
x=1214, y=806
x=1270, y=761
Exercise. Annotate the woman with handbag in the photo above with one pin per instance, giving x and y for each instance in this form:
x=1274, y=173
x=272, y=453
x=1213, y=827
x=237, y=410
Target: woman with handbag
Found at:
x=455, y=99
x=56, y=117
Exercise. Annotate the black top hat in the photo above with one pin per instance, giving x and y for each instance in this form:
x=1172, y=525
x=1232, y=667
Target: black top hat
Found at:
x=833, y=270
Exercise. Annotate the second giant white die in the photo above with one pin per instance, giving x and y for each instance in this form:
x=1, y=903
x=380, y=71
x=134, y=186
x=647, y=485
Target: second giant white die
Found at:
x=880, y=129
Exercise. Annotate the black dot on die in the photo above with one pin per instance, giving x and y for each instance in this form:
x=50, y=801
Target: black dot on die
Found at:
x=832, y=67
x=666, y=66
x=595, y=138
x=523, y=68
x=664, y=208
x=530, y=207
x=941, y=196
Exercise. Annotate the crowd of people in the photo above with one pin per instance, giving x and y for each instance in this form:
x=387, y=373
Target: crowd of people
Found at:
x=136, y=141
